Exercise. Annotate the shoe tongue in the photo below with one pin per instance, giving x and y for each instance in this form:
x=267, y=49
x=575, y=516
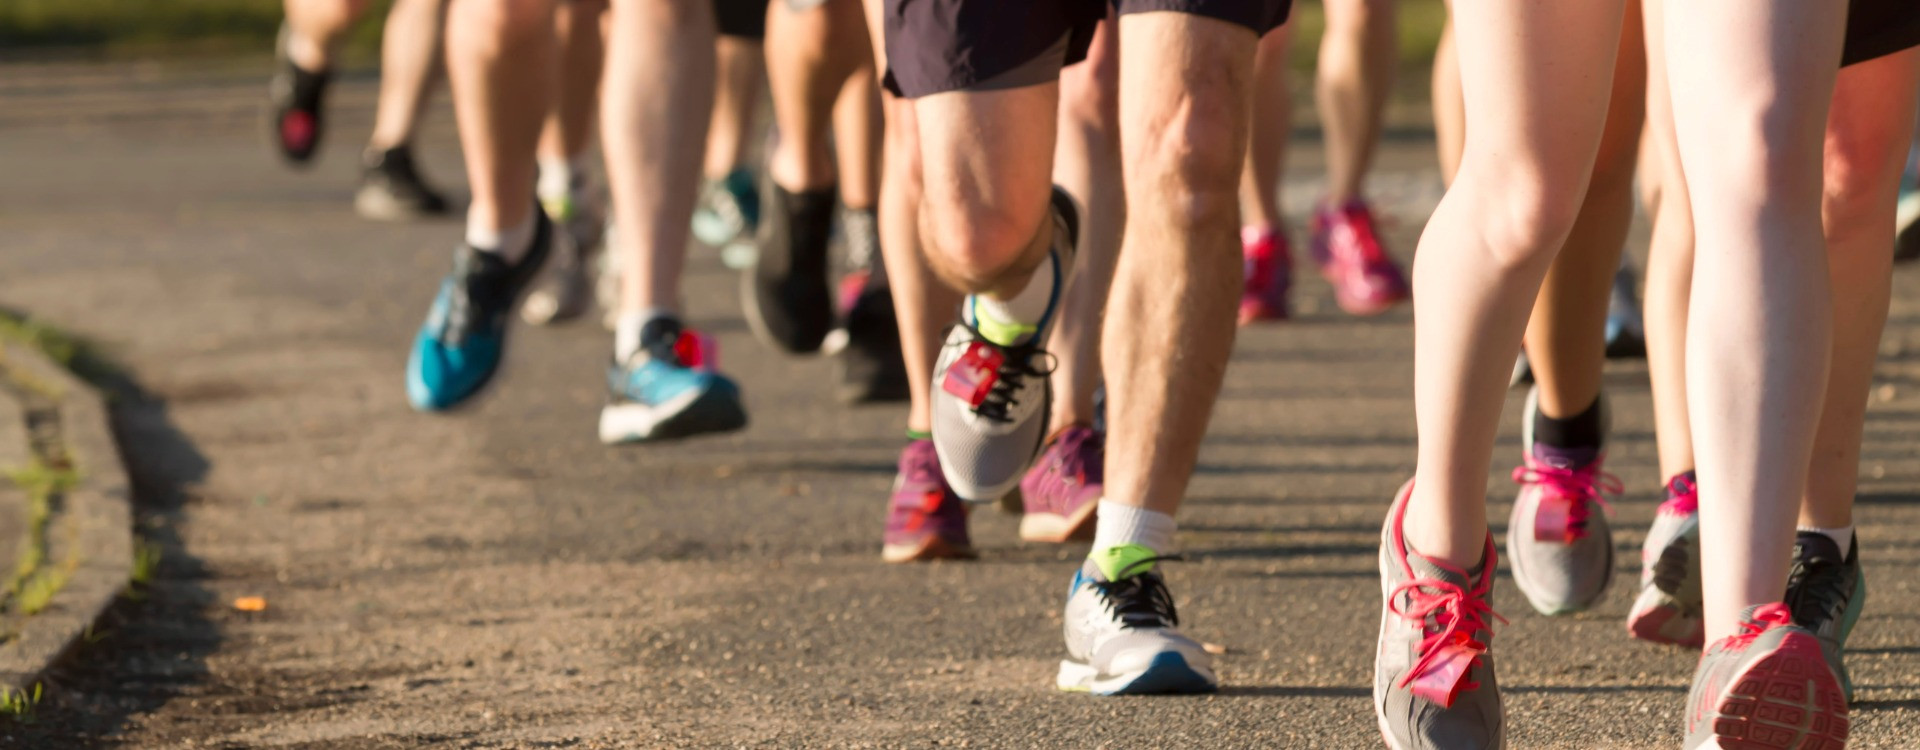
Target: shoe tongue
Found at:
x=1121, y=561
x=1813, y=545
x=1556, y=457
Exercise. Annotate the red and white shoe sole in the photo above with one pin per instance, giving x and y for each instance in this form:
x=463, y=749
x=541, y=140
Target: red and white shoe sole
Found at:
x=930, y=548
x=1666, y=623
x=1056, y=529
x=1786, y=700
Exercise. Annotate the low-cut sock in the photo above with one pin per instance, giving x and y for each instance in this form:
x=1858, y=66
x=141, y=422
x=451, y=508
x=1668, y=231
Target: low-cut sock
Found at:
x=1119, y=524
x=629, y=329
x=1021, y=314
x=562, y=178
x=509, y=244
x=1574, y=440
x=1842, y=537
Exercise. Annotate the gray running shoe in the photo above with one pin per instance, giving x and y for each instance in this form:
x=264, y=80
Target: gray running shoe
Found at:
x=567, y=291
x=1120, y=629
x=1669, y=608
x=1558, y=538
x=990, y=401
x=1826, y=592
x=1767, y=687
x=1433, y=681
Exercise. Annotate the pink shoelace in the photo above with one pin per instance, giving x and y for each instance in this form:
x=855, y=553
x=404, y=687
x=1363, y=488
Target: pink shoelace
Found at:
x=1685, y=498
x=1578, y=486
x=1449, y=650
x=1765, y=617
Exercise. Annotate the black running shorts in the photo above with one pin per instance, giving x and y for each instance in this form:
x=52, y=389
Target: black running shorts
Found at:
x=1880, y=27
x=952, y=45
x=746, y=19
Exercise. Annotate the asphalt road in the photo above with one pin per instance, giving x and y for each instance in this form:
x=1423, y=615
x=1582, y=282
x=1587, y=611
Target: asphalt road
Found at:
x=496, y=578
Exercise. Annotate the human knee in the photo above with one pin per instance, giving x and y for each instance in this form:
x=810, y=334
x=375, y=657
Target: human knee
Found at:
x=978, y=244
x=1861, y=176
x=1757, y=159
x=1185, y=165
x=1524, y=214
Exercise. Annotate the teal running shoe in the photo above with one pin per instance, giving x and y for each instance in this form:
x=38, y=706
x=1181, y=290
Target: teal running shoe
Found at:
x=459, y=348
x=727, y=216
x=667, y=390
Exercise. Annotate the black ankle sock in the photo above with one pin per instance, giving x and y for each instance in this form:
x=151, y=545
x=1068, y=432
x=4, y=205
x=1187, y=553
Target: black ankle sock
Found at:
x=1583, y=430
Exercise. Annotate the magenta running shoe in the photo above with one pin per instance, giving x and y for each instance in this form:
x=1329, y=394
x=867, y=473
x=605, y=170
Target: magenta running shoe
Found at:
x=1269, y=272
x=925, y=520
x=1063, y=488
x=1346, y=244
x=1669, y=607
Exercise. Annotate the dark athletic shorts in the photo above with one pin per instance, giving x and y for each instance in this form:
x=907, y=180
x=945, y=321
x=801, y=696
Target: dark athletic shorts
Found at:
x=1877, y=28
x=951, y=45
x=746, y=19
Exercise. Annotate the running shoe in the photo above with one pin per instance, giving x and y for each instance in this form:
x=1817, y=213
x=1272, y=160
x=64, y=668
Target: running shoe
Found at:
x=668, y=389
x=1558, y=539
x=1767, y=687
x=1626, y=331
x=567, y=290
x=1346, y=244
x=1669, y=608
x=870, y=367
x=295, y=96
x=1122, y=631
x=726, y=217
x=1906, y=244
x=1522, y=371
x=787, y=297
x=1826, y=591
x=459, y=348
x=925, y=520
x=1062, y=490
x=391, y=188
x=1269, y=274
x=1433, y=680
x=990, y=400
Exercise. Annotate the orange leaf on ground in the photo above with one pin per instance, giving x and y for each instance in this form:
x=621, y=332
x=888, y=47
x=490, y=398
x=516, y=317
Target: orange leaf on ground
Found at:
x=250, y=604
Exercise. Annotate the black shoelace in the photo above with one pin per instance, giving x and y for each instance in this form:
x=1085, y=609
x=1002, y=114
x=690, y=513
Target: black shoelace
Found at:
x=1818, y=589
x=482, y=282
x=1017, y=365
x=1141, y=601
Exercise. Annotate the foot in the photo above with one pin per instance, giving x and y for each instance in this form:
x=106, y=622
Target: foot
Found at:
x=727, y=216
x=666, y=390
x=391, y=188
x=1558, y=539
x=1669, y=608
x=567, y=290
x=460, y=347
x=990, y=399
x=925, y=520
x=1433, y=680
x=294, y=97
x=1346, y=245
x=1826, y=591
x=1626, y=331
x=870, y=367
x=1269, y=274
x=1767, y=687
x=1122, y=631
x=787, y=298
x=1063, y=488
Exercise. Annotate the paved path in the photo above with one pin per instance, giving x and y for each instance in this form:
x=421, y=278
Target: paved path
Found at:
x=496, y=578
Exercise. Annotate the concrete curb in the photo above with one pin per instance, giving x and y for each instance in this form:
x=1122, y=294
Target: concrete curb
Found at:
x=92, y=530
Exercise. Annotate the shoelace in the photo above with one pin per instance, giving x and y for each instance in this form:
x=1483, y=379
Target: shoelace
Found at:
x=1587, y=483
x=1015, y=368
x=479, y=284
x=1457, y=614
x=1817, y=589
x=1683, y=497
x=1765, y=617
x=1140, y=601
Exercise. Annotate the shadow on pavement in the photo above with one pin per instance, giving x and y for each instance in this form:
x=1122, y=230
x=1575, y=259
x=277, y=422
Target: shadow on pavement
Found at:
x=152, y=643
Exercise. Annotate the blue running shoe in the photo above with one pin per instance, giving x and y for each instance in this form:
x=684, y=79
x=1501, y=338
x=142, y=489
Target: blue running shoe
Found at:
x=657, y=394
x=459, y=348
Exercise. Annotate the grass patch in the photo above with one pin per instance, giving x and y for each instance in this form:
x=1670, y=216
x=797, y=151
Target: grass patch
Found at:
x=34, y=581
x=73, y=353
x=18, y=705
x=146, y=561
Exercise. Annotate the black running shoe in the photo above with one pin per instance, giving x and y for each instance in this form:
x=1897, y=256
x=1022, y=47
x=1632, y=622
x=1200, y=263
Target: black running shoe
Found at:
x=295, y=96
x=1826, y=592
x=787, y=295
x=871, y=368
x=391, y=188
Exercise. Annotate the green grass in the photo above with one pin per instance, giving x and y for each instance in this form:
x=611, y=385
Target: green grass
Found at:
x=147, y=27
x=34, y=583
x=18, y=705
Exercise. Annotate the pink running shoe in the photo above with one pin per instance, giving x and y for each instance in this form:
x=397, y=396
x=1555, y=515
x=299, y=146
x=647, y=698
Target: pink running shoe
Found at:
x=1269, y=264
x=925, y=520
x=1668, y=608
x=1346, y=245
x=1767, y=688
x=1063, y=488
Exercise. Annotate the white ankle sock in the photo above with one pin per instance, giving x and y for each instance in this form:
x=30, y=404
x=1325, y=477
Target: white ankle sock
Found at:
x=1842, y=536
x=1125, y=524
x=561, y=178
x=1023, y=310
x=626, y=330
x=510, y=244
